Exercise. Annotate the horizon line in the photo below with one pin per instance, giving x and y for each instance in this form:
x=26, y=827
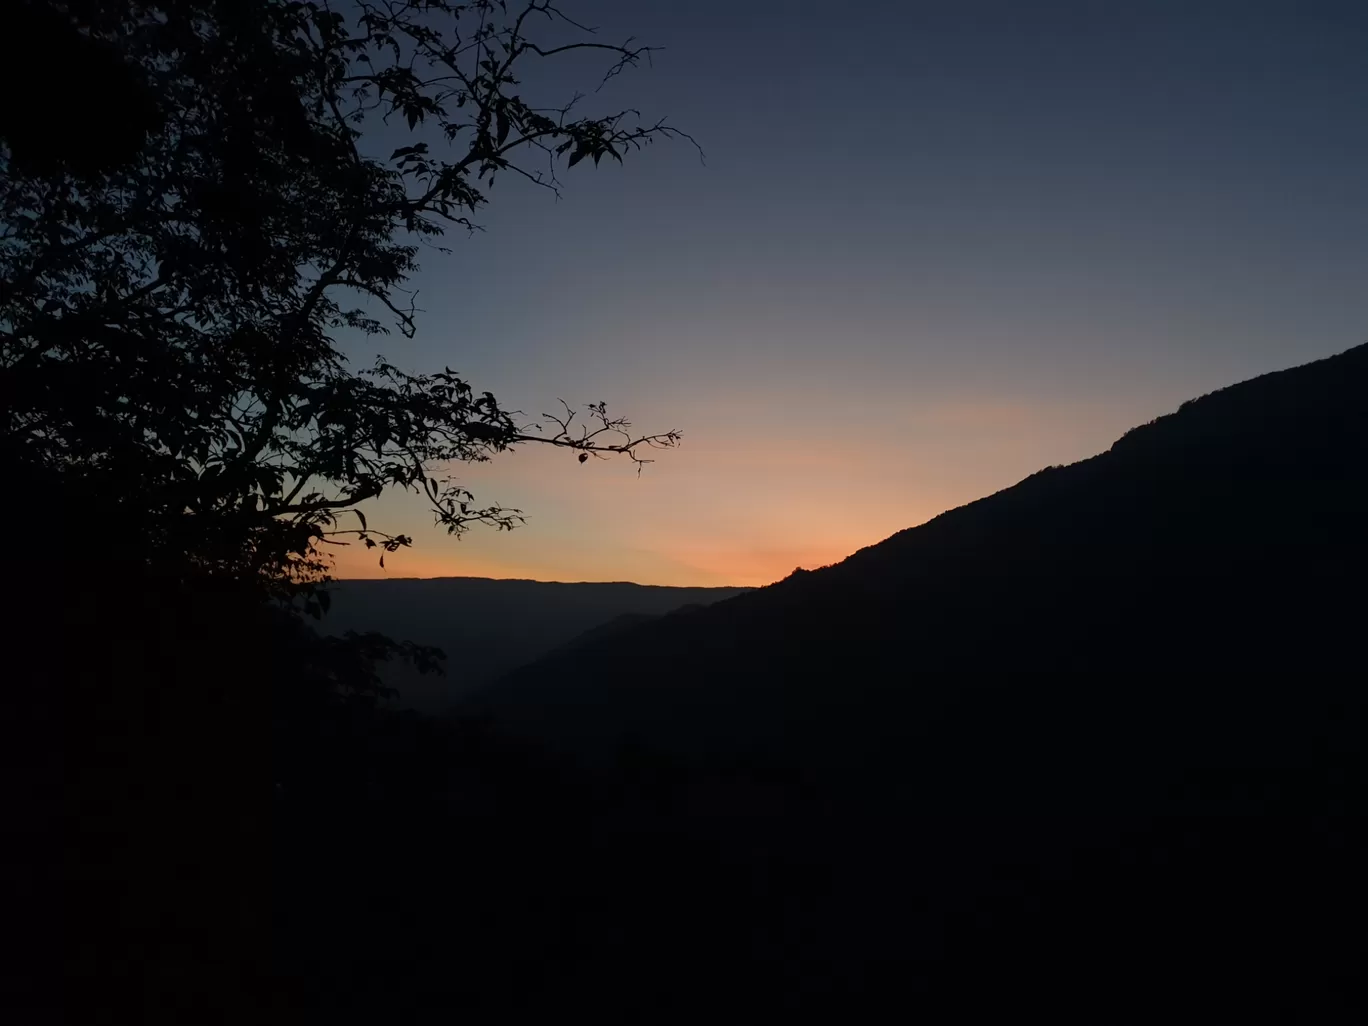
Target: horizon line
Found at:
x=534, y=580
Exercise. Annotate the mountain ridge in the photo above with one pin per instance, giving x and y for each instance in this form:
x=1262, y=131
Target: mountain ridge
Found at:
x=1219, y=542
x=537, y=580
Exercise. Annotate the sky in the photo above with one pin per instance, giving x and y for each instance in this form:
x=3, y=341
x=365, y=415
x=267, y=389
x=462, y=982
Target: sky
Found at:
x=932, y=248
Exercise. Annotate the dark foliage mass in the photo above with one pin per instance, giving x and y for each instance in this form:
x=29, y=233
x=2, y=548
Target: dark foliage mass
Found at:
x=170, y=306
x=1091, y=747
x=195, y=214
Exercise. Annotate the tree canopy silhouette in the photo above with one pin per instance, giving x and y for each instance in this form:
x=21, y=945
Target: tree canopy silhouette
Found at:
x=201, y=203
x=173, y=293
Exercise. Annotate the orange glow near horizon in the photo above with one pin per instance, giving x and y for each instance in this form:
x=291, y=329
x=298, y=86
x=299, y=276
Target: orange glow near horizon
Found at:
x=754, y=569
x=719, y=512
x=1044, y=252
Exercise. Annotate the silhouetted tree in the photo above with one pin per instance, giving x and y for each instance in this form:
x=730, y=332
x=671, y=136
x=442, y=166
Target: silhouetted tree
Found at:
x=198, y=199
x=171, y=300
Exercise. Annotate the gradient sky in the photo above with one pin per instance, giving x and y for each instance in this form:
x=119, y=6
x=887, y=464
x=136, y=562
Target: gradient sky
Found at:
x=935, y=247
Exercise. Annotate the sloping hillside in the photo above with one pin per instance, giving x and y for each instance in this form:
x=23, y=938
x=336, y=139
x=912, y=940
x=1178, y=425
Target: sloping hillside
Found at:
x=1142, y=623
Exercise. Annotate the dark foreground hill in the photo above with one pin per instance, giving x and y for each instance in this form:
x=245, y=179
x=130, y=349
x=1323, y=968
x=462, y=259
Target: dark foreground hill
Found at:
x=490, y=627
x=1088, y=750
x=1186, y=610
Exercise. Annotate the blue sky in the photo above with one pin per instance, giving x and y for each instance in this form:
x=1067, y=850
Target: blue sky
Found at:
x=934, y=247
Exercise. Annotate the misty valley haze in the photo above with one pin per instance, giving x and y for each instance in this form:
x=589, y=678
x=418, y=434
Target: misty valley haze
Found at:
x=487, y=627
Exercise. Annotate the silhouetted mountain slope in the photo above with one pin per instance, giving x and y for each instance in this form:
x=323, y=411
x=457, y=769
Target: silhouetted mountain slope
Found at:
x=1174, y=626
x=1179, y=619
x=488, y=627
x=613, y=628
x=618, y=626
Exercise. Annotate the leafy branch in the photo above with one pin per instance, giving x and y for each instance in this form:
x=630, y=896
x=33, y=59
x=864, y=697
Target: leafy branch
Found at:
x=170, y=306
x=595, y=434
